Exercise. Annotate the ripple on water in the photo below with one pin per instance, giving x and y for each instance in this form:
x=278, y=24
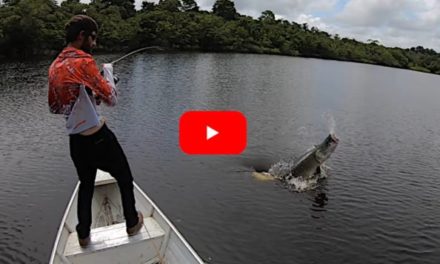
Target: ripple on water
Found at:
x=378, y=204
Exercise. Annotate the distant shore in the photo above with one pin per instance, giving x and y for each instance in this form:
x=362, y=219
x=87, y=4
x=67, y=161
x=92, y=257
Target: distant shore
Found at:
x=52, y=54
x=180, y=26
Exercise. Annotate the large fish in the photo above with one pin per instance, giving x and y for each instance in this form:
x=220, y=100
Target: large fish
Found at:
x=309, y=165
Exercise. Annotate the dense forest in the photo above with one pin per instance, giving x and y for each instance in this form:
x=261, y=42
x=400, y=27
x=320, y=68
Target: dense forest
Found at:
x=36, y=27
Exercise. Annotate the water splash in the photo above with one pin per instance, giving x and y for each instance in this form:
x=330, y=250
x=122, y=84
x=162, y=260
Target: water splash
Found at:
x=331, y=123
x=282, y=171
x=299, y=184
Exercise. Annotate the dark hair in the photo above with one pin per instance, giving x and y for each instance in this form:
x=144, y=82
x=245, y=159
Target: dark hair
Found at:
x=77, y=24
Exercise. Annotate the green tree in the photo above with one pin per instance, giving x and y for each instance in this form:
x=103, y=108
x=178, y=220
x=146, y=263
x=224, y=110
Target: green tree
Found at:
x=30, y=27
x=9, y=2
x=189, y=6
x=74, y=7
x=148, y=6
x=114, y=31
x=211, y=36
x=267, y=17
x=169, y=5
x=126, y=7
x=225, y=9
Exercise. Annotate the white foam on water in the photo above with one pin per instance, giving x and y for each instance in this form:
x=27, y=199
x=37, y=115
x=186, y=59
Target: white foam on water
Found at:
x=299, y=184
x=282, y=171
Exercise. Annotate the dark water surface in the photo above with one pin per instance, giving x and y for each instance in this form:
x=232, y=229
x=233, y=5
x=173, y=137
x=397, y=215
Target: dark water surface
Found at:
x=380, y=204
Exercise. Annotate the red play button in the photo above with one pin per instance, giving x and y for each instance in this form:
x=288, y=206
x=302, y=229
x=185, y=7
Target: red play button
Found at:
x=212, y=132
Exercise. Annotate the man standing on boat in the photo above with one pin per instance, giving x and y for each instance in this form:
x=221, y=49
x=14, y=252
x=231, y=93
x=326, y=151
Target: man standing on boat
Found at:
x=75, y=88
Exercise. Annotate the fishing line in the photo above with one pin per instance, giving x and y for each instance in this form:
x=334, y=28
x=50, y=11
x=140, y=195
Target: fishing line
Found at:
x=136, y=51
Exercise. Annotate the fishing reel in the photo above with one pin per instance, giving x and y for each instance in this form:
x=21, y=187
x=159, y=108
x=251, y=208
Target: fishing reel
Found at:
x=106, y=72
x=115, y=77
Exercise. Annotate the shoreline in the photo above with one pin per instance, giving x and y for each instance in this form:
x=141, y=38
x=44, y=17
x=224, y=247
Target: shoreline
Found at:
x=51, y=55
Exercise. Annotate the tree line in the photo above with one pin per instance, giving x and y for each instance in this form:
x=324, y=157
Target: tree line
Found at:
x=36, y=27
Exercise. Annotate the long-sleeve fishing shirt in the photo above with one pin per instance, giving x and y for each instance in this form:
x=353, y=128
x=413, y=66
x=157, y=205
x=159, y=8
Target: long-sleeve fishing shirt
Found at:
x=68, y=72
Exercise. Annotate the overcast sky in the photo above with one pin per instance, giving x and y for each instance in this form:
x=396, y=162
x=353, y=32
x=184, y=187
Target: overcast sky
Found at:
x=402, y=23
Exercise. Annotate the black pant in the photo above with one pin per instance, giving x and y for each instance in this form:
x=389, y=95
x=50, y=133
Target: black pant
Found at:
x=100, y=151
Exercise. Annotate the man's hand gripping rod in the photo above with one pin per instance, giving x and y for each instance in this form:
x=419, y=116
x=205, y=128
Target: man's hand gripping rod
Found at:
x=108, y=67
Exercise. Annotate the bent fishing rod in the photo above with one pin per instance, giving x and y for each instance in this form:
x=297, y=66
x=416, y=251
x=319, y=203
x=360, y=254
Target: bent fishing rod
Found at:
x=136, y=51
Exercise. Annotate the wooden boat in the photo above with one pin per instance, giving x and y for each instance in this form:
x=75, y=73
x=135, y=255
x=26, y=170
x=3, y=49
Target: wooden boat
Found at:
x=157, y=242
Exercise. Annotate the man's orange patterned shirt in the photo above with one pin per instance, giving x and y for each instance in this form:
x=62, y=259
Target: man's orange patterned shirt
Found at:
x=68, y=71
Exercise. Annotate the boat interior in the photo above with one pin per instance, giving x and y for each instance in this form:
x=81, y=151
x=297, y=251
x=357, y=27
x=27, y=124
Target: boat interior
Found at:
x=109, y=240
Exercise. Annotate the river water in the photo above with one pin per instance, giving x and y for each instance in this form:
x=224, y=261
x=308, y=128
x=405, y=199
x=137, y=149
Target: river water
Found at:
x=379, y=204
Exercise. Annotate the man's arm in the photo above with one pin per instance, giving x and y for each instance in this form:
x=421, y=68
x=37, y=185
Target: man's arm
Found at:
x=102, y=88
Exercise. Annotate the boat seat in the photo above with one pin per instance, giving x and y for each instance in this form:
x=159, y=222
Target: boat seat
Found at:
x=113, y=244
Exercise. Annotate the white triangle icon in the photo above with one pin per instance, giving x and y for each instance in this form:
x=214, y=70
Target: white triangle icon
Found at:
x=210, y=133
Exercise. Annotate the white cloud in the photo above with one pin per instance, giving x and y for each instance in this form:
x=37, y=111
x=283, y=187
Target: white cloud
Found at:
x=430, y=16
x=402, y=23
x=285, y=8
x=312, y=21
x=371, y=13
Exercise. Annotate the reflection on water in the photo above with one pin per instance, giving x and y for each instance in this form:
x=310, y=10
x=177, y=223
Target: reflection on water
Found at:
x=378, y=204
x=319, y=201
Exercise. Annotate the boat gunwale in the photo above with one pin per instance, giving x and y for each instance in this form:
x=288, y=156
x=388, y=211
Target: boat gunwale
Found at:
x=63, y=221
x=171, y=225
x=155, y=208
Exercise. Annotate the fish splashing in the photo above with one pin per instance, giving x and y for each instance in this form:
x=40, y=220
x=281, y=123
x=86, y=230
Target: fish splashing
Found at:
x=282, y=171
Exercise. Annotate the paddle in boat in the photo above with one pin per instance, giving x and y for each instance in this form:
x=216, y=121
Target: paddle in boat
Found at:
x=157, y=242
